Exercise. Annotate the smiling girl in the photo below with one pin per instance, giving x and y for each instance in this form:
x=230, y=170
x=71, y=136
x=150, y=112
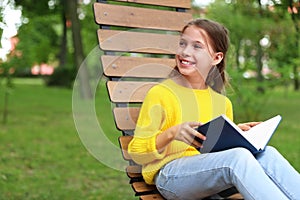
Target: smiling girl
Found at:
x=164, y=141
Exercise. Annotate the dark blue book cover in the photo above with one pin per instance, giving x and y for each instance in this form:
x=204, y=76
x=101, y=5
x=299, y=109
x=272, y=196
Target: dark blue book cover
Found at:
x=222, y=134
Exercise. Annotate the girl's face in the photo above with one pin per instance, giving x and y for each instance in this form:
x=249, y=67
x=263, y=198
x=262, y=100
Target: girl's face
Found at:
x=195, y=56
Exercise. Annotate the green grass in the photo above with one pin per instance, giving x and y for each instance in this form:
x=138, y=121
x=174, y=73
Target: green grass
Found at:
x=287, y=138
x=42, y=156
x=283, y=101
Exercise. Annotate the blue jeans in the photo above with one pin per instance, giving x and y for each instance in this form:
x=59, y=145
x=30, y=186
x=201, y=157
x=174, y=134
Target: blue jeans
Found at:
x=265, y=176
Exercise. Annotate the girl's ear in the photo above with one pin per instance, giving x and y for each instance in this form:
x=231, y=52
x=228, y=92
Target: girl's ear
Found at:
x=217, y=58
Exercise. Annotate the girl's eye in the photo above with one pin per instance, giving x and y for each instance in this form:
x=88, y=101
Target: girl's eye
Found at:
x=197, y=46
x=182, y=44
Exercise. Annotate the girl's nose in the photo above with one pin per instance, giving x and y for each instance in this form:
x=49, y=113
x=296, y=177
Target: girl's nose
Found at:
x=187, y=51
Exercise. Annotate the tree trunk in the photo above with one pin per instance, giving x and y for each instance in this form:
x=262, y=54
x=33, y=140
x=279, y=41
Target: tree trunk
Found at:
x=259, y=65
x=296, y=78
x=62, y=56
x=297, y=42
x=85, y=88
x=259, y=56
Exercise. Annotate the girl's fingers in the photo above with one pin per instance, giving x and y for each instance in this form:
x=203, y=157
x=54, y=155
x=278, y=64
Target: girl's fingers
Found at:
x=248, y=125
x=196, y=144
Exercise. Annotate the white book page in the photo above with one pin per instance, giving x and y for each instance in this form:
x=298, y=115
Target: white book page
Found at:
x=260, y=134
x=233, y=124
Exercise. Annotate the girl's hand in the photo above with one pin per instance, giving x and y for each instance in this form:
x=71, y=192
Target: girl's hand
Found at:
x=248, y=125
x=186, y=133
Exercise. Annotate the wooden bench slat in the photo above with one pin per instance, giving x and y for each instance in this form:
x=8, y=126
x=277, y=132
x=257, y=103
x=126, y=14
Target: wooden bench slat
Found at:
x=143, y=188
x=152, y=197
x=135, y=17
x=170, y=3
x=236, y=196
x=126, y=117
x=128, y=91
x=124, y=142
x=126, y=41
x=134, y=171
x=125, y=66
x=137, y=181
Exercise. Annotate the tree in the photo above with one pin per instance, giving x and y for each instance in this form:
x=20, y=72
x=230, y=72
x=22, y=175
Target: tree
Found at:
x=43, y=38
x=85, y=88
x=294, y=8
x=248, y=22
x=38, y=37
x=46, y=33
x=7, y=68
x=288, y=11
x=62, y=56
x=38, y=41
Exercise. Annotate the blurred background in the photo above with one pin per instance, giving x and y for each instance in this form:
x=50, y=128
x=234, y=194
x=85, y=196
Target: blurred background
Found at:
x=43, y=44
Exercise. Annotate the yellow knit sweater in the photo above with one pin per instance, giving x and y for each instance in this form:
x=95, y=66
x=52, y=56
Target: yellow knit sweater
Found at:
x=166, y=105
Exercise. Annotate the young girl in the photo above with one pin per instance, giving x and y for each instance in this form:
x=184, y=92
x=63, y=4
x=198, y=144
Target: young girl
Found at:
x=164, y=137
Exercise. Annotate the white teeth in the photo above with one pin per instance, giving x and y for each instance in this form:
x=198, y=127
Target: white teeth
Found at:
x=186, y=62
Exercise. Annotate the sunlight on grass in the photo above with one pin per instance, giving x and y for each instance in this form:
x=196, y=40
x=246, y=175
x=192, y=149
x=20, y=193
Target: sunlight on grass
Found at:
x=28, y=81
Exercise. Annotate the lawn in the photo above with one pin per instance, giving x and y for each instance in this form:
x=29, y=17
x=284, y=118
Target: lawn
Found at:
x=42, y=156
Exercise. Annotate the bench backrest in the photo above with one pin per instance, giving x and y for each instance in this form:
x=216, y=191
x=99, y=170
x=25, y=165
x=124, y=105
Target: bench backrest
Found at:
x=139, y=39
x=138, y=44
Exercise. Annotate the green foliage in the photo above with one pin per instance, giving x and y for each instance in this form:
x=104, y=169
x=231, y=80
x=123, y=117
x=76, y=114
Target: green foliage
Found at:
x=249, y=97
x=248, y=22
x=88, y=29
x=38, y=41
x=248, y=102
x=41, y=37
x=34, y=9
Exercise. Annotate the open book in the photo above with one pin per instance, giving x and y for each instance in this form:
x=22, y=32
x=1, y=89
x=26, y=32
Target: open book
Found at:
x=221, y=134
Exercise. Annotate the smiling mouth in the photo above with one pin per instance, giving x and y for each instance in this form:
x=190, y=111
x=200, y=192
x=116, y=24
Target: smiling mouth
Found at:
x=187, y=63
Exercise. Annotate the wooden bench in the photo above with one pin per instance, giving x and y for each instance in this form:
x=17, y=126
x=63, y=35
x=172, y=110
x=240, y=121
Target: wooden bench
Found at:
x=139, y=39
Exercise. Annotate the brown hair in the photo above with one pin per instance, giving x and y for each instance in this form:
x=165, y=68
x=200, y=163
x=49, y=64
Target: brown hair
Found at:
x=219, y=40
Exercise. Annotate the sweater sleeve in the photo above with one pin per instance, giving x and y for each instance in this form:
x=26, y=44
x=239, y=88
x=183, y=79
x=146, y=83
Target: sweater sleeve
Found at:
x=229, y=109
x=142, y=148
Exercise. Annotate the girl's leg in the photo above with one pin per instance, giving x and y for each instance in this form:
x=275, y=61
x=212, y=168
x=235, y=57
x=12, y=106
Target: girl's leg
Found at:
x=280, y=171
x=203, y=175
